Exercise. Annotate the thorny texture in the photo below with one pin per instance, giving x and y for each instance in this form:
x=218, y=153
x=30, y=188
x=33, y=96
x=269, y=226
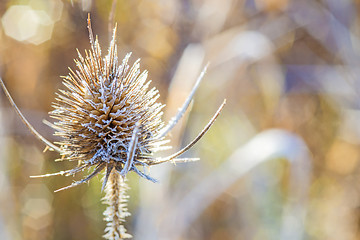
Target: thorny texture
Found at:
x=116, y=199
x=108, y=118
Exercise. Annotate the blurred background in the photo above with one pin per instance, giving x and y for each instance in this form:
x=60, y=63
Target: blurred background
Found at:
x=281, y=161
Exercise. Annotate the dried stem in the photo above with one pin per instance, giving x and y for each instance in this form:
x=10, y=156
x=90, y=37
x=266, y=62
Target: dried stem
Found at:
x=116, y=212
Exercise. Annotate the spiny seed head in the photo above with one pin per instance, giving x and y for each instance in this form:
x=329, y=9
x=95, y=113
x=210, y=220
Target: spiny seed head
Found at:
x=101, y=107
x=108, y=116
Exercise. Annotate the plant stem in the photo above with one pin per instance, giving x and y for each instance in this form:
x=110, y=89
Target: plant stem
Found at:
x=116, y=212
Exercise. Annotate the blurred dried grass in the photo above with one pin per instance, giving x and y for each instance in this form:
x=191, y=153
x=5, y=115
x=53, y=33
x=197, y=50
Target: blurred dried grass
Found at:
x=289, y=64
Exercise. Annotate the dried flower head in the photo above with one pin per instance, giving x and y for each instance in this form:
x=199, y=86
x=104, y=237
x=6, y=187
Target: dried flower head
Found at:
x=109, y=119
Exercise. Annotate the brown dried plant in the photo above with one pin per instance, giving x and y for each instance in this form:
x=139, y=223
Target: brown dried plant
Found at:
x=110, y=120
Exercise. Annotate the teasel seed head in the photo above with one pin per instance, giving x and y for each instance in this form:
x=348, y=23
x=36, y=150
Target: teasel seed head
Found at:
x=109, y=119
x=107, y=116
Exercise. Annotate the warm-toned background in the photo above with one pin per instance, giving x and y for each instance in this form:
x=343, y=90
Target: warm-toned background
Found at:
x=282, y=64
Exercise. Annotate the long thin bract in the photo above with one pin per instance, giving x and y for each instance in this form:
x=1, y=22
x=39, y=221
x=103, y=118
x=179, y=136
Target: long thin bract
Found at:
x=25, y=121
x=131, y=151
x=198, y=137
x=97, y=170
x=182, y=110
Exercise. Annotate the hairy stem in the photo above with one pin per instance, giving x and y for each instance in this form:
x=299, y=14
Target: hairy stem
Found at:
x=116, y=212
